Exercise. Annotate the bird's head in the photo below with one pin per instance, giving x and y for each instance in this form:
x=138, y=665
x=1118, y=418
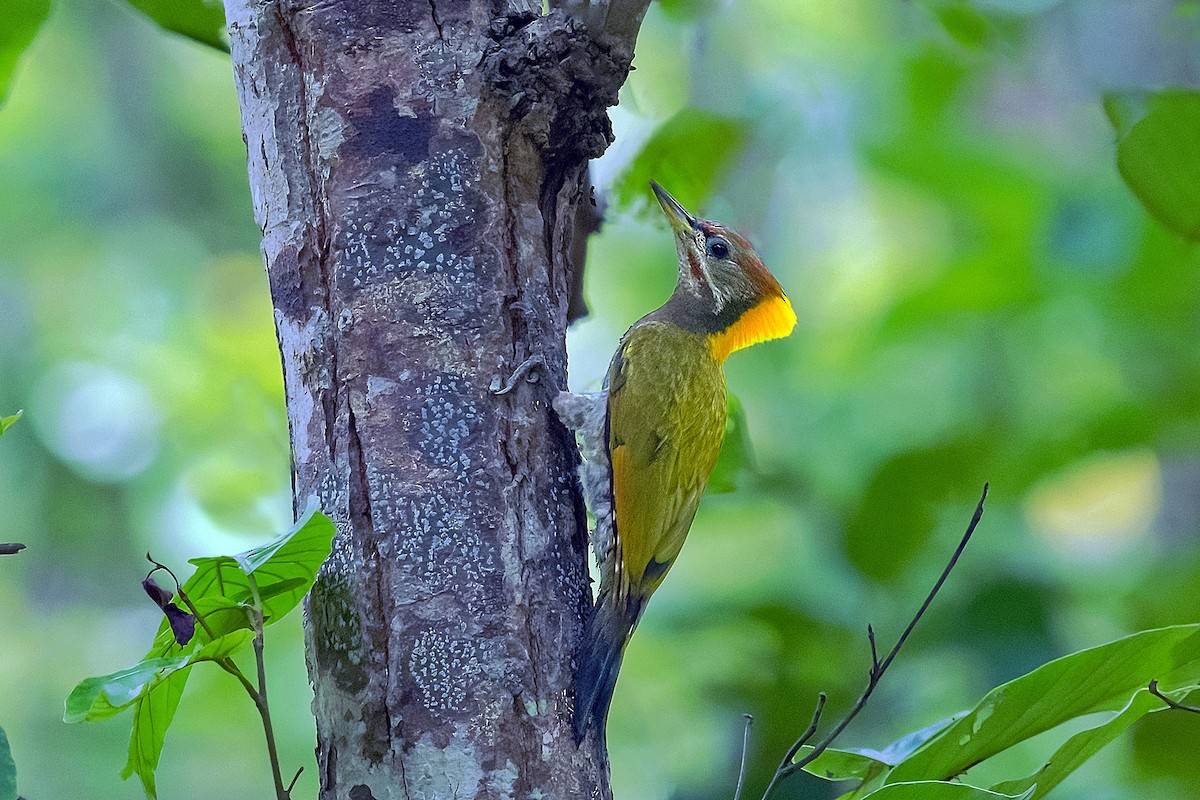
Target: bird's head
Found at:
x=724, y=288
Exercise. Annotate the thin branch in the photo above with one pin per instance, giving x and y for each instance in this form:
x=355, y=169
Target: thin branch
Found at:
x=781, y=771
x=809, y=732
x=878, y=668
x=1153, y=687
x=295, y=778
x=737, y=793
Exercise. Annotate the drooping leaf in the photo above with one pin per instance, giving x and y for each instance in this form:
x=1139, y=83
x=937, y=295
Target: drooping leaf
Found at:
x=106, y=695
x=1158, y=153
x=1103, y=678
x=21, y=20
x=939, y=790
x=686, y=155
x=8, y=770
x=7, y=422
x=151, y=719
x=200, y=20
x=1085, y=744
x=156, y=706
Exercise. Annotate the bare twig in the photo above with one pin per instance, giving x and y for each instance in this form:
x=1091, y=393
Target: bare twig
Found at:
x=781, y=771
x=295, y=778
x=878, y=668
x=737, y=793
x=1153, y=687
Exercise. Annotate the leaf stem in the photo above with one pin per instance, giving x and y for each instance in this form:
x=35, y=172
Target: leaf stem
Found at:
x=260, y=700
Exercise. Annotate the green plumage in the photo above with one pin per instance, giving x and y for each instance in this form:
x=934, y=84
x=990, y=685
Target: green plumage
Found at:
x=666, y=420
x=664, y=425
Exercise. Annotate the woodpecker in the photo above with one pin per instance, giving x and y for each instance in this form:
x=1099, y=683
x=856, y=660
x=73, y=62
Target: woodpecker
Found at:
x=651, y=438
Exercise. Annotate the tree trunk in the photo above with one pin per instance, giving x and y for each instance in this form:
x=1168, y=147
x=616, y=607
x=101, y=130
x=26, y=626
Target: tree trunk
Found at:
x=415, y=168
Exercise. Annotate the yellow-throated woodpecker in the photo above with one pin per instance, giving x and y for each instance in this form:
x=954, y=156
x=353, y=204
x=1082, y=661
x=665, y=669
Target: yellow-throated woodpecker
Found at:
x=651, y=439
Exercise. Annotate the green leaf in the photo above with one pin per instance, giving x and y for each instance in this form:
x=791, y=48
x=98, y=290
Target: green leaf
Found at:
x=156, y=708
x=736, y=454
x=686, y=155
x=1085, y=744
x=1158, y=154
x=867, y=765
x=200, y=20
x=284, y=569
x=7, y=422
x=151, y=719
x=1103, y=678
x=908, y=744
x=8, y=770
x=22, y=18
x=939, y=790
x=842, y=765
x=107, y=695
x=152, y=687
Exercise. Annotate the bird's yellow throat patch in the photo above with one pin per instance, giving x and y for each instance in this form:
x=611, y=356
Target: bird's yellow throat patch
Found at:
x=770, y=319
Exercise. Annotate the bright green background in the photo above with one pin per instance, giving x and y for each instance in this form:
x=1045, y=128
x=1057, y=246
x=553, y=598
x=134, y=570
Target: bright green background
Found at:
x=981, y=297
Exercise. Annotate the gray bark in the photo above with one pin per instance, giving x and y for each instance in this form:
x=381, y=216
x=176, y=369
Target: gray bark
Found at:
x=416, y=168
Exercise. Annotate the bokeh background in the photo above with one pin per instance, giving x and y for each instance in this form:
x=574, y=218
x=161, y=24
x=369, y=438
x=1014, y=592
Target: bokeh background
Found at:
x=980, y=298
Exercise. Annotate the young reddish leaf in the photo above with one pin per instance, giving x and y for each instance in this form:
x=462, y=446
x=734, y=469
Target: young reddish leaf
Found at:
x=183, y=624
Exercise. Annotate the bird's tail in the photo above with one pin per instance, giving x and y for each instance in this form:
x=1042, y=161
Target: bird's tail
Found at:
x=604, y=639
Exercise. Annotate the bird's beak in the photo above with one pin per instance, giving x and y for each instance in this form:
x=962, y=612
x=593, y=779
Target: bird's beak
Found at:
x=681, y=221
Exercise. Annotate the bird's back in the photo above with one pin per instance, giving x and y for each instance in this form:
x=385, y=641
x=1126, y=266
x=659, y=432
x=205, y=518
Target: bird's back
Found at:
x=666, y=420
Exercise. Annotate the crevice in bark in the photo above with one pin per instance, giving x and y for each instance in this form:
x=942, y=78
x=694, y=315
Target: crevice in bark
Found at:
x=437, y=22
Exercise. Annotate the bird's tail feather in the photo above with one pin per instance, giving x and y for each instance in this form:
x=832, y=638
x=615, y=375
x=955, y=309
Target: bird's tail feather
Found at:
x=604, y=639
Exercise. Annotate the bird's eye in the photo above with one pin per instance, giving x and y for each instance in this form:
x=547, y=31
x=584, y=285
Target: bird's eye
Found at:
x=719, y=248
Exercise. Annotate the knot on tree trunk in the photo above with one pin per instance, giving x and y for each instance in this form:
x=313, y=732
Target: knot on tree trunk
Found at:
x=558, y=81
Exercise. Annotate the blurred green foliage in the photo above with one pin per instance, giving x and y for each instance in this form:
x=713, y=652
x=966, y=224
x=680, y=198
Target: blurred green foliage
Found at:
x=200, y=20
x=9, y=421
x=981, y=297
x=1159, y=154
x=21, y=21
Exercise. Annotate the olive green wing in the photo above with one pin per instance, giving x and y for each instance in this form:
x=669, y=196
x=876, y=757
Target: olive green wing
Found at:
x=666, y=418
